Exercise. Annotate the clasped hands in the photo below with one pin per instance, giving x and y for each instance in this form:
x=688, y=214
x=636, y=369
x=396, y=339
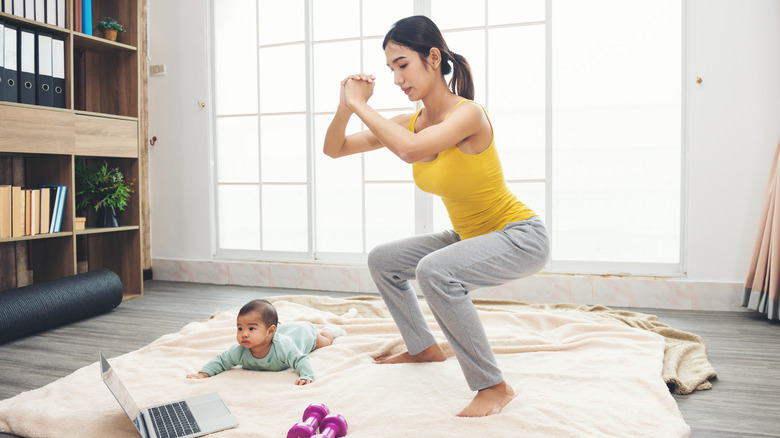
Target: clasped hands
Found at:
x=356, y=89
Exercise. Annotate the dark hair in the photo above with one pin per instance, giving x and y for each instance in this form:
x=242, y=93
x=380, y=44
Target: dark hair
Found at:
x=420, y=33
x=267, y=311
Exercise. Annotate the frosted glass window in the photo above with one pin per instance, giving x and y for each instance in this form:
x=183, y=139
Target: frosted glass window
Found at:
x=332, y=63
x=517, y=105
x=235, y=66
x=335, y=19
x=281, y=21
x=283, y=148
x=339, y=195
x=616, y=130
x=379, y=16
x=238, y=216
x=389, y=212
x=282, y=79
x=453, y=14
x=237, y=154
x=285, y=218
x=515, y=11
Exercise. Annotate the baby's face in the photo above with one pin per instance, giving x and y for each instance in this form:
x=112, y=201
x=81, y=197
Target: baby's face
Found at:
x=251, y=332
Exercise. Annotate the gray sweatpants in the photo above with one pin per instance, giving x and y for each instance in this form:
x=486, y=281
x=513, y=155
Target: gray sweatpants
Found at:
x=447, y=269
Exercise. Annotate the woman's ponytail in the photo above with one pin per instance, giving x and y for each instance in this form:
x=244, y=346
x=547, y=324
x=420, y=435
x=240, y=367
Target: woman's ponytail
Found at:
x=461, y=82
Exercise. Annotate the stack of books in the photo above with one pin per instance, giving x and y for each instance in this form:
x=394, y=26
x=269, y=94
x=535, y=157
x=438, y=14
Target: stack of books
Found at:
x=30, y=211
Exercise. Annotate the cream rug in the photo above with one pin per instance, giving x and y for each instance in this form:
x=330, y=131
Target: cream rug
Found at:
x=579, y=371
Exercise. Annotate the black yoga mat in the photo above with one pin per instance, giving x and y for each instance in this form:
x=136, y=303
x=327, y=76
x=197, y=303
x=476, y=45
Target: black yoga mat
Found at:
x=42, y=306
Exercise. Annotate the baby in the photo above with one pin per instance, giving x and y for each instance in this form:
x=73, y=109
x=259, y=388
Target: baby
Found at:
x=266, y=345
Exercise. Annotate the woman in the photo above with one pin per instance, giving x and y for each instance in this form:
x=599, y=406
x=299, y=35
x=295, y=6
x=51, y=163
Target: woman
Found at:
x=495, y=239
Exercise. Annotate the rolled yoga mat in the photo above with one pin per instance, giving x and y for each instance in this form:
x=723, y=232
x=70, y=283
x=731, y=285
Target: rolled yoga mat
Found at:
x=42, y=306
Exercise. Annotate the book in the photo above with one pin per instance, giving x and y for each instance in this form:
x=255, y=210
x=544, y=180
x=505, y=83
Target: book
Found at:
x=57, y=202
x=5, y=211
x=45, y=216
x=17, y=205
x=28, y=212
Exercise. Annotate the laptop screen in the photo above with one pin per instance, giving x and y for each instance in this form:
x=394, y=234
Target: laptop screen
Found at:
x=121, y=393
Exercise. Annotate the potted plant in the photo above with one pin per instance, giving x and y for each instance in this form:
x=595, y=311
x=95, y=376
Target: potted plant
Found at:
x=110, y=28
x=103, y=189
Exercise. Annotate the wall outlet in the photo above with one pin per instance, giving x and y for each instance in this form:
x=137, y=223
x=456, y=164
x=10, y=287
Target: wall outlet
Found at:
x=157, y=70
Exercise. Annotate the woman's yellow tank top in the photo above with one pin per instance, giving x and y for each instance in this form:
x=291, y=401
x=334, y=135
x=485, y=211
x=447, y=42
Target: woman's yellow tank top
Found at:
x=472, y=188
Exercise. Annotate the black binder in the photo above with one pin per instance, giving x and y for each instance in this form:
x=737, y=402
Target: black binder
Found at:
x=11, y=76
x=26, y=66
x=43, y=78
x=2, y=59
x=58, y=71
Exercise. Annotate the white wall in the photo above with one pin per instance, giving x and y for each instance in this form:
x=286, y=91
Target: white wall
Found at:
x=733, y=126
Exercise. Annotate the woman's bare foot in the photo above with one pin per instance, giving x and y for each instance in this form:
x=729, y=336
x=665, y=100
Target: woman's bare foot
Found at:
x=434, y=353
x=489, y=401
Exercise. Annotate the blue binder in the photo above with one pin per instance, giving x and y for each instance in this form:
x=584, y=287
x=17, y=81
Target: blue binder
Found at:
x=86, y=17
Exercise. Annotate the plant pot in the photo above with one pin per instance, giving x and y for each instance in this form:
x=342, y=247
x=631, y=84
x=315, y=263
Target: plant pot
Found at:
x=106, y=218
x=110, y=34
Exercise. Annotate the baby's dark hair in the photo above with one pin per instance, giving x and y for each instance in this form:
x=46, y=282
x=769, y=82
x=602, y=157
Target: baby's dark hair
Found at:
x=266, y=309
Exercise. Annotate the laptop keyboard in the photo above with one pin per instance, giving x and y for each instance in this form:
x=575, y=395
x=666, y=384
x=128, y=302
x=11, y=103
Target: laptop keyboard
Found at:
x=173, y=420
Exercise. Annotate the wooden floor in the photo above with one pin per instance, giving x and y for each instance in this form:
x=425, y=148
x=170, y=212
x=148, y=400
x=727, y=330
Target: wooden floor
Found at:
x=743, y=347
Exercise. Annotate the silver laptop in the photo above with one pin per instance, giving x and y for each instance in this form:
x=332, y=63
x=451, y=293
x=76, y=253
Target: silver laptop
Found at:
x=192, y=417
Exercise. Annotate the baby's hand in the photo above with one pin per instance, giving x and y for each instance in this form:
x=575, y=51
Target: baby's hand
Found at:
x=302, y=382
x=198, y=376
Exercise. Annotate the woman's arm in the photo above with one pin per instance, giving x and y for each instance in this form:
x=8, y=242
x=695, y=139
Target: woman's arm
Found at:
x=464, y=122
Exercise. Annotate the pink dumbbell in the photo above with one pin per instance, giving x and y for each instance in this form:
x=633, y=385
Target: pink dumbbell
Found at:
x=311, y=419
x=332, y=426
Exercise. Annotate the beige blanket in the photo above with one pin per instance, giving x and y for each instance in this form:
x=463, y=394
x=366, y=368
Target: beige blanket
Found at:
x=578, y=371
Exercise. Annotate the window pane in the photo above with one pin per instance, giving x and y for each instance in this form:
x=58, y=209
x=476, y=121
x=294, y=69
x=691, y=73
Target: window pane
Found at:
x=238, y=216
x=336, y=19
x=332, y=63
x=235, y=47
x=339, y=195
x=281, y=68
x=514, y=11
x=389, y=212
x=517, y=105
x=616, y=130
x=237, y=149
x=281, y=21
x=452, y=14
x=379, y=16
x=285, y=218
x=283, y=148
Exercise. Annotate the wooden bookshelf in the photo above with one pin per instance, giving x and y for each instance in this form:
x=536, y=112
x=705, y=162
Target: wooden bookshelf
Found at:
x=100, y=122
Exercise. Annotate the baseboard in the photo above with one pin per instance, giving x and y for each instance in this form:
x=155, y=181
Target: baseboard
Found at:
x=613, y=291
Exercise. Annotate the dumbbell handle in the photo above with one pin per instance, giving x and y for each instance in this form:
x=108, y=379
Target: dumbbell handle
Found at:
x=332, y=426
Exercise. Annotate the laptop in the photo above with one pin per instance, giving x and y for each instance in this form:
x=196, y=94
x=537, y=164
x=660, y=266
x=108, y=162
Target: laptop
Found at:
x=195, y=416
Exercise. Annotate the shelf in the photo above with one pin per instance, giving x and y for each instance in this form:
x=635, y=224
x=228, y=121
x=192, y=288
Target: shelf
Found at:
x=37, y=237
x=16, y=20
x=88, y=230
x=99, y=44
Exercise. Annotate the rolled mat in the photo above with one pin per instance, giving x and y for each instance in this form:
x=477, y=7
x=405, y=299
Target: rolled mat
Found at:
x=42, y=306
